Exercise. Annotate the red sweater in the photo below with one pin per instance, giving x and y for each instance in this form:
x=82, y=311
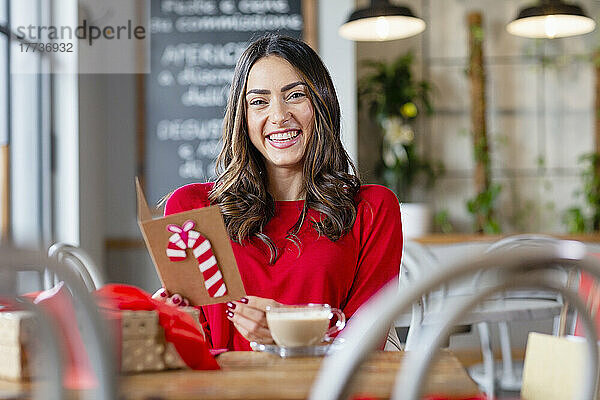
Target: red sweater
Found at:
x=344, y=273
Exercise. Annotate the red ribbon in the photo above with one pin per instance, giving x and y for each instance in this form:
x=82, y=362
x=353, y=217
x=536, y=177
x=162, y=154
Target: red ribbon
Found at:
x=179, y=327
x=432, y=397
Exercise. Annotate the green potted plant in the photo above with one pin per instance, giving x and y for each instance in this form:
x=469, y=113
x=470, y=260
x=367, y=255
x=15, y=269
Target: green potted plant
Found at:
x=576, y=218
x=395, y=100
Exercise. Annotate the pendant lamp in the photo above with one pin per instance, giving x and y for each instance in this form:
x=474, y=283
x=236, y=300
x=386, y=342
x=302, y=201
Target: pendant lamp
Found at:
x=551, y=19
x=381, y=21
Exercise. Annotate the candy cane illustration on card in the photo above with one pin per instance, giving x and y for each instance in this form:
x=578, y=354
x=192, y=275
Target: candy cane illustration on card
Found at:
x=183, y=238
x=192, y=253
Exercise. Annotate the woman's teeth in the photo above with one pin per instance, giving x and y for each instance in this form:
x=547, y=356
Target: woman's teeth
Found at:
x=281, y=137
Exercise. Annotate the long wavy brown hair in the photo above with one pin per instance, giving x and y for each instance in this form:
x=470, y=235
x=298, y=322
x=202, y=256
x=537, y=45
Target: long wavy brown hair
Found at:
x=330, y=178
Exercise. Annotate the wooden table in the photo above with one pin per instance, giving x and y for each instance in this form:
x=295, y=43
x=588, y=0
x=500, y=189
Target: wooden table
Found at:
x=261, y=376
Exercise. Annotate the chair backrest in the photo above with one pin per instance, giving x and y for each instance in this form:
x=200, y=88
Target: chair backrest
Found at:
x=80, y=261
x=93, y=330
x=418, y=262
x=531, y=241
x=517, y=241
x=568, y=278
x=368, y=325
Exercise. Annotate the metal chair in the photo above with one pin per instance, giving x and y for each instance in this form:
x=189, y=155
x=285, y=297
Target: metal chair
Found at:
x=80, y=261
x=417, y=262
x=561, y=325
x=541, y=304
x=521, y=268
x=98, y=344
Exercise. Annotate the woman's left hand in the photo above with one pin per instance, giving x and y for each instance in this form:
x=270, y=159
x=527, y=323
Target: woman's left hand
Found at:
x=249, y=318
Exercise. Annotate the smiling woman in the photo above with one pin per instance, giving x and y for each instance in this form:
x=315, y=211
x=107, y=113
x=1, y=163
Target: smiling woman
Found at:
x=303, y=229
x=280, y=121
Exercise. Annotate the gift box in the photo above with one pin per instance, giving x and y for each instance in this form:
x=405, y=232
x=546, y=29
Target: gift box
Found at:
x=178, y=327
x=16, y=333
x=143, y=344
x=148, y=332
x=19, y=336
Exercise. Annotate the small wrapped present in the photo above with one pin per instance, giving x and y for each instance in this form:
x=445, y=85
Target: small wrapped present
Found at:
x=12, y=363
x=16, y=333
x=138, y=324
x=139, y=355
x=16, y=327
x=176, y=327
x=149, y=333
x=143, y=344
x=19, y=337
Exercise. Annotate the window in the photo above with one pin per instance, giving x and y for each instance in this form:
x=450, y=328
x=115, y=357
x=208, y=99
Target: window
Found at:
x=25, y=128
x=4, y=119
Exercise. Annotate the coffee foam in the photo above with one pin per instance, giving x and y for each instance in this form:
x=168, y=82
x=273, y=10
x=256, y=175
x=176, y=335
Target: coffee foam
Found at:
x=300, y=315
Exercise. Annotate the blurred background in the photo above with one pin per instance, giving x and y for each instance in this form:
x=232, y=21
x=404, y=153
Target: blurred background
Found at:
x=481, y=132
x=74, y=140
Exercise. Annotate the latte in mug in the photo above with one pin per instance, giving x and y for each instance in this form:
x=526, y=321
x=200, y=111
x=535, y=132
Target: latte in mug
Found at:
x=305, y=325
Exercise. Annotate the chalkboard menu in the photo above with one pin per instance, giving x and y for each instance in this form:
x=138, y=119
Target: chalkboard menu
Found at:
x=195, y=45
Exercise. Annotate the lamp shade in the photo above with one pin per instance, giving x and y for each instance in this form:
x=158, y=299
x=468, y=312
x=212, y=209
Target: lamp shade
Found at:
x=551, y=19
x=381, y=21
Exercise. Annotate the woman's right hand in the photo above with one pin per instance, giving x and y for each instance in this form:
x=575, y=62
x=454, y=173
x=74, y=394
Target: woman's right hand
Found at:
x=249, y=318
x=175, y=299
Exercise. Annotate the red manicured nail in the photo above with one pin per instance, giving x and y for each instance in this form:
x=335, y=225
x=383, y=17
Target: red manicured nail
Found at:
x=176, y=299
x=163, y=293
x=229, y=314
x=230, y=305
x=185, y=303
x=244, y=300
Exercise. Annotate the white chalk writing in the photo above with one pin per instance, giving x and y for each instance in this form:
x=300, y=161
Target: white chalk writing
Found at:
x=189, y=129
x=239, y=23
x=197, y=54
